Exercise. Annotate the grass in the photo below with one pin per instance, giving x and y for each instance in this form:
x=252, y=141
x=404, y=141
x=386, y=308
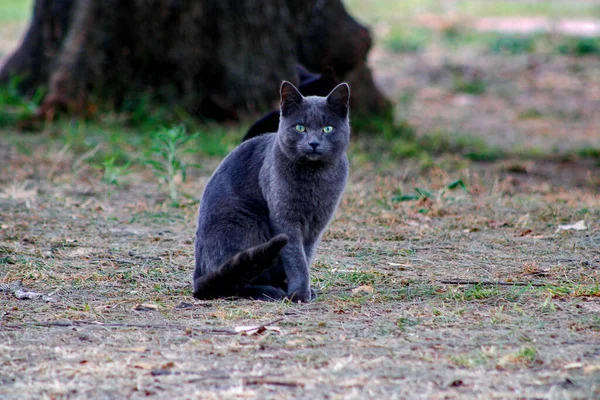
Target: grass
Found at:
x=381, y=313
x=83, y=220
x=16, y=107
x=579, y=46
x=15, y=10
x=113, y=174
x=408, y=41
x=418, y=39
x=512, y=44
x=398, y=140
x=165, y=158
x=373, y=11
x=470, y=360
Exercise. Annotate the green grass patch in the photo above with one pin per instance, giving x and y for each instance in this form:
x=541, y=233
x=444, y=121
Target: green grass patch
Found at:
x=16, y=106
x=408, y=40
x=385, y=10
x=15, y=10
x=574, y=290
x=530, y=113
x=404, y=322
x=382, y=139
x=470, y=360
x=518, y=44
x=483, y=292
x=579, y=46
x=589, y=152
x=513, y=44
x=421, y=194
x=165, y=158
x=474, y=86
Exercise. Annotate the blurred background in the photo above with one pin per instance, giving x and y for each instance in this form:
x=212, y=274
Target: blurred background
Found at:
x=482, y=79
x=520, y=75
x=463, y=260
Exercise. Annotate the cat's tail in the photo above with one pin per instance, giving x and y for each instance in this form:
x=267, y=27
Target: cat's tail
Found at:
x=239, y=270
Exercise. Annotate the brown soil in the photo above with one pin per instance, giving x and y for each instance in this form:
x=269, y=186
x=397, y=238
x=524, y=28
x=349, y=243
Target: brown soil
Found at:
x=114, y=264
x=385, y=326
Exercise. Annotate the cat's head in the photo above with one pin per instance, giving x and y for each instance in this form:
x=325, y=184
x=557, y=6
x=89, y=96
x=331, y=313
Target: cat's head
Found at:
x=314, y=128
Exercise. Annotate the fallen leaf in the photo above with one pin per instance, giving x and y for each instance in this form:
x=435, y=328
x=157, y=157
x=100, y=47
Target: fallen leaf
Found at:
x=508, y=360
x=456, y=383
x=145, y=307
x=591, y=368
x=577, y=226
x=184, y=305
x=168, y=365
x=24, y=295
x=393, y=264
x=295, y=342
x=573, y=365
x=49, y=299
x=142, y=365
x=363, y=289
x=256, y=330
x=525, y=232
x=133, y=349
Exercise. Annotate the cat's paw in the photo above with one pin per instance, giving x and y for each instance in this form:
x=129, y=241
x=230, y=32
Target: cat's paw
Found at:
x=303, y=296
x=262, y=292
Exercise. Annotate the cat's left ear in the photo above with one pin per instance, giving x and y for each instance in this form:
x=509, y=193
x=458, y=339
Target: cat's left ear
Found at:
x=291, y=98
x=338, y=99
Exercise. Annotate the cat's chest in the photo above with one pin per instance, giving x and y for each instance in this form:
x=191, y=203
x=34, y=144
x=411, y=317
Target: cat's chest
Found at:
x=308, y=201
x=312, y=189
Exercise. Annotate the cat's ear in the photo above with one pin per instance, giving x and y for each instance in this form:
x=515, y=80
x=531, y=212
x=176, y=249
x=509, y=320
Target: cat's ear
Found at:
x=291, y=98
x=338, y=100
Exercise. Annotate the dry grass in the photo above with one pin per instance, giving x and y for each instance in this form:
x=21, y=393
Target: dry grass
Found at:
x=100, y=251
x=112, y=259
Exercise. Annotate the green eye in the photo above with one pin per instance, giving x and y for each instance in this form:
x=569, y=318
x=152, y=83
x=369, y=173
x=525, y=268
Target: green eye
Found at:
x=328, y=129
x=300, y=128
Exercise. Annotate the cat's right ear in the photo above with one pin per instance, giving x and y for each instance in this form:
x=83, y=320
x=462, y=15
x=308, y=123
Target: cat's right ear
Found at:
x=338, y=99
x=291, y=98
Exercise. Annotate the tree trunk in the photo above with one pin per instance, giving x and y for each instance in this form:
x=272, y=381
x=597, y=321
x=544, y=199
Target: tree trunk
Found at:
x=217, y=59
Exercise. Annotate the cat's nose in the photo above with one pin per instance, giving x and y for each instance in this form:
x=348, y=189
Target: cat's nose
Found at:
x=314, y=144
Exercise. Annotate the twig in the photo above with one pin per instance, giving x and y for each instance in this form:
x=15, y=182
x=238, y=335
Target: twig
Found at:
x=489, y=283
x=271, y=382
x=157, y=326
x=138, y=260
x=66, y=323
x=261, y=327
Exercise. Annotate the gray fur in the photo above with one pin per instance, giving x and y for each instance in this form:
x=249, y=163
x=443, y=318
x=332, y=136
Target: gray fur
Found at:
x=274, y=195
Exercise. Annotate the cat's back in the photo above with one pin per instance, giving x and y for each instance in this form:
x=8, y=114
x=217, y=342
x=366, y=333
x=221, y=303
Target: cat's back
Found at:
x=238, y=173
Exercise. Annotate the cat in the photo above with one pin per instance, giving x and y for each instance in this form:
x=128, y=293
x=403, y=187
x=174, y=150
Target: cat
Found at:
x=266, y=206
x=310, y=85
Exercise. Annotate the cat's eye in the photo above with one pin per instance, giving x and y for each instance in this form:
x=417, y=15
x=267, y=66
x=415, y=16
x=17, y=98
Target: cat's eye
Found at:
x=300, y=128
x=328, y=129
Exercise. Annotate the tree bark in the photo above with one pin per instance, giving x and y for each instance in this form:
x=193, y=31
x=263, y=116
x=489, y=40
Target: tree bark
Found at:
x=216, y=59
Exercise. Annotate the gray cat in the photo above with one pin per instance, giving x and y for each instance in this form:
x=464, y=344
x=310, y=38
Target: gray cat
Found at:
x=265, y=208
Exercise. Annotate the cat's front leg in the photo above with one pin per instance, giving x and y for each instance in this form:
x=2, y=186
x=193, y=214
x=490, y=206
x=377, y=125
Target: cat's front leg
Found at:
x=296, y=270
x=309, y=251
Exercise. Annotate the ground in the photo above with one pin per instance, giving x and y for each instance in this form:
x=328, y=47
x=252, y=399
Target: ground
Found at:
x=455, y=267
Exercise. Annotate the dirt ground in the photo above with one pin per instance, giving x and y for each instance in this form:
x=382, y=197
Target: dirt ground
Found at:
x=120, y=321
x=454, y=280
x=530, y=102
